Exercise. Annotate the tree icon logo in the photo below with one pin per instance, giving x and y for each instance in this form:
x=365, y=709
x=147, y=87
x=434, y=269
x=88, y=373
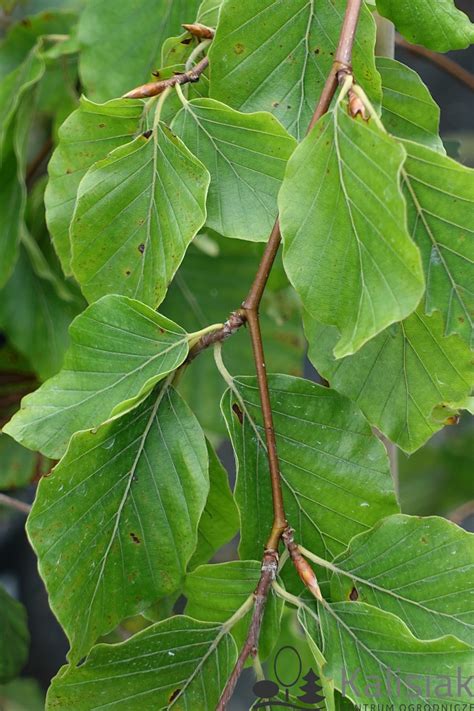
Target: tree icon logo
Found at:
x=289, y=693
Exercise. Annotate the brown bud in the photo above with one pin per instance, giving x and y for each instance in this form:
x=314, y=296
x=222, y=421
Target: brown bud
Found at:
x=356, y=106
x=200, y=31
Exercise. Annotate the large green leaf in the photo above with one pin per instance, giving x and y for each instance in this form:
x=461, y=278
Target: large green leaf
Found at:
x=373, y=658
x=246, y=156
x=274, y=55
x=177, y=664
x=35, y=318
x=335, y=473
x=421, y=569
x=119, y=350
x=18, y=464
x=13, y=157
x=137, y=211
x=208, y=12
x=407, y=381
x=440, y=197
x=346, y=247
x=215, y=593
x=14, y=639
x=436, y=24
x=408, y=109
x=115, y=525
x=87, y=136
x=108, y=32
x=220, y=519
x=195, y=300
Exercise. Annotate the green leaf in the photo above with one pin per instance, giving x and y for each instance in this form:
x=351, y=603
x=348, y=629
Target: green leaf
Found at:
x=208, y=13
x=13, y=156
x=14, y=85
x=194, y=300
x=14, y=640
x=179, y=663
x=373, y=658
x=420, y=569
x=215, y=593
x=287, y=80
x=401, y=377
x=347, y=251
x=119, y=350
x=137, y=211
x=18, y=464
x=35, y=318
x=220, y=519
x=440, y=197
x=335, y=473
x=436, y=24
x=408, y=109
x=87, y=136
x=22, y=695
x=109, y=32
x=246, y=156
x=116, y=524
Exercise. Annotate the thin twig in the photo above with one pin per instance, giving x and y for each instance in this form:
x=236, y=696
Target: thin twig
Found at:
x=16, y=504
x=440, y=60
x=250, y=648
x=158, y=87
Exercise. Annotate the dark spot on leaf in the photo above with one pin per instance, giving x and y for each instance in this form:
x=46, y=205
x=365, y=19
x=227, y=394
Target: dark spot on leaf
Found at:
x=135, y=538
x=188, y=40
x=161, y=330
x=156, y=73
x=239, y=48
x=317, y=50
x=141, y=248
x=288, y=107
x=238, y=412
x=101, y=125
x=423, y=540
x=275, y=104
x=175, y=693
x=147, y=134
x=128, y=272
x=69, y=171
x=353, y=595
x=460, y=319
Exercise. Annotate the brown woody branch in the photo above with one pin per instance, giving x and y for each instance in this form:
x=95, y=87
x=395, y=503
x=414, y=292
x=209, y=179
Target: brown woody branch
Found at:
x=250, y=648
x=440, y=60
x=250, y=307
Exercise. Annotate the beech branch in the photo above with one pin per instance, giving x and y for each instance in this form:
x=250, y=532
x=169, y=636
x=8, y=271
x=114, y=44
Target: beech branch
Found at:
x=342, y=67
x=249, y=314
x=440, y=60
